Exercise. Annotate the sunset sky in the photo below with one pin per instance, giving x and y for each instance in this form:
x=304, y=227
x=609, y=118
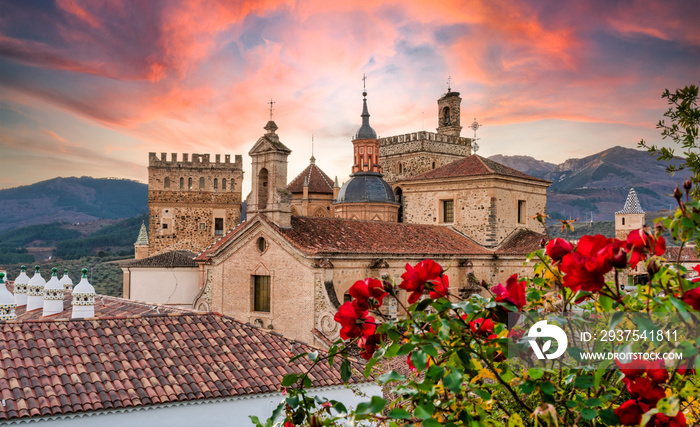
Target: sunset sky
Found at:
x=90, y=87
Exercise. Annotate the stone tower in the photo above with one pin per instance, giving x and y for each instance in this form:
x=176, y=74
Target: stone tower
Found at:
x=449, y=114
x=192, y=201
x=403, y=156
x=631, y=217
x=269, y=194
x=366, y=196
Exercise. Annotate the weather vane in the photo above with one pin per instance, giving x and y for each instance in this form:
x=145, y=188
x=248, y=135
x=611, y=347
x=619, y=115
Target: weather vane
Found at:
x=449, y=80
x=475, y=126
x=271, y=103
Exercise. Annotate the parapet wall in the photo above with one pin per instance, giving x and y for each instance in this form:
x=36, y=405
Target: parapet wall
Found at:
x=196, y=161
x=424, y=141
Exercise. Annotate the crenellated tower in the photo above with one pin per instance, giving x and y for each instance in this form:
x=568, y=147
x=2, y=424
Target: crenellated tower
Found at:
x=192, y=201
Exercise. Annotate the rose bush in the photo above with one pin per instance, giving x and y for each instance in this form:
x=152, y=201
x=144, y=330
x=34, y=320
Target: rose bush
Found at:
x=464, y=352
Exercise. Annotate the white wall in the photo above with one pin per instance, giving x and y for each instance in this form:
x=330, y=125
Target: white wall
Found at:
x=171, y=286
x=212, y=413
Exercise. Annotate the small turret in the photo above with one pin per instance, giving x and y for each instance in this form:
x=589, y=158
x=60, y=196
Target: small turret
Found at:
x=35, y=291
x=83, y=299
x=66, y=281
x=21, y=283
x=7, y=302
x=53, y=295
x=141, y=246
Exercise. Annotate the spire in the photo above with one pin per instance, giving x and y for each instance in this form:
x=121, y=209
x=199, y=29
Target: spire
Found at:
x=21, y=283
x=632, y=205
x=68, y=283
x=53, y=295
x=312, y=159
x=365, y=131
x=141, y=240
x=7, y=301
x=35, y=291
x=83, y=299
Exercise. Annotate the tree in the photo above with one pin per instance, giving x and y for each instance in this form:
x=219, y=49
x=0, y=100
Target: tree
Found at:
x=684, y=115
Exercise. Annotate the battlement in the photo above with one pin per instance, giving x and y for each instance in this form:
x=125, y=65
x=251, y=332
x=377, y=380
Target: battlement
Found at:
x=196, y=161
x=424, y=136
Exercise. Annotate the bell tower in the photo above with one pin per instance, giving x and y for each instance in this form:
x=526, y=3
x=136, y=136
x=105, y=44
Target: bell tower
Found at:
x=449, y=113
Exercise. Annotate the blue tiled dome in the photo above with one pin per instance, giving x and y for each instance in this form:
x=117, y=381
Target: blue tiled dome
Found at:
x=366, y=187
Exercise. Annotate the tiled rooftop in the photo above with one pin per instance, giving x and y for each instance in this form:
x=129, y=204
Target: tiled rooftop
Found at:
x=473, y=165
x=319, y=182
x=522, y=242
x=105, y=306
x=172, y=259
x=56, y=367
x=687, y=255
x=319, y=236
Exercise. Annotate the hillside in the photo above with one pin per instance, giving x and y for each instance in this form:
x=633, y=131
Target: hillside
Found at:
x=595, y=187
x=71, y=200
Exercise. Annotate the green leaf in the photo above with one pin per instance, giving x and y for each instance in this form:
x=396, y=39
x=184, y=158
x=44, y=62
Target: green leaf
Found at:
x=375, y=405
x=547, y=388
x=584, y=381
x=668, y=406
x=593, y=402
x=370, y=365
x=435, y=372
x=405, y=349
x=536, y=373
x=255, y=420
x=589, y=414
x=605, y=302
x=292, y=401
x=647, y=416
x=615, y=319
x=391, y=376
x=400, y=414
x=419, y=360
x=289, y=380
x=313, y=356
x=422, y=413
x=571, y=404
x=528, y=387
x=609, y=417
x=345, y=370
x=453, y=381
x=515, y=421
x=431, y=422
x=392, y=350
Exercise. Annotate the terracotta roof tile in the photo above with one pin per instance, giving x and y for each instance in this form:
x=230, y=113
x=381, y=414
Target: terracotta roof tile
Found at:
x=172, y=259
x=521, y=242
x=319, y=182
x=688, y=255
x=473, y=165
x=233, y=372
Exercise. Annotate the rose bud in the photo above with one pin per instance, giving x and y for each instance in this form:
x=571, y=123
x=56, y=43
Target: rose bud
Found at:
x=653, y=267
x=677, y=194
x=687, y=185
x=543, y=242
x=620, y=260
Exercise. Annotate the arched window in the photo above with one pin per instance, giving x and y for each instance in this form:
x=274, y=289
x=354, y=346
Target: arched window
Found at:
x=262, y=189
x=446, y=116
x=232, y=186
x=623, y=220
x=223, y=184
x=182, y=183
x=201, y=183
x=189, y=183
x=433, y=165
x=399, y=199
x=216, y=184
x=166, y=182
x=400, y=167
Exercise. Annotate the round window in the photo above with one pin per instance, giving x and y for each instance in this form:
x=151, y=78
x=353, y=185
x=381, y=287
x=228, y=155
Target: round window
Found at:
x=262, y=244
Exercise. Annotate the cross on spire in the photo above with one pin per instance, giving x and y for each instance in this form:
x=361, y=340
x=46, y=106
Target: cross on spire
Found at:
x=449, y=80
x=364, y=81
x=271, y=103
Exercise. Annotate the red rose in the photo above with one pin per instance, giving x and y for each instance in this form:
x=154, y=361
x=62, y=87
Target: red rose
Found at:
x=557, y=248
x=657, y=372
x=289, y=424
x=632, y=370
x=354, y=321
x=661, y=420
x=513, y=292
x=415, y=278
x=692, y=298
x=483, y=327
x=640, y=244
x=369, y=345
x=697, y=270
x=368, y=293
x=644, y=389
x=578, y=277
x=441, y=289
x=629, y=413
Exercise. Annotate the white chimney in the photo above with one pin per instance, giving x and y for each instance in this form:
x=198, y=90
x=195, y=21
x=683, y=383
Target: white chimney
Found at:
x=66, y=281
x=53, y=295
x=35, y=291
x=21, y=288
x=7, y=301
x=83, y=299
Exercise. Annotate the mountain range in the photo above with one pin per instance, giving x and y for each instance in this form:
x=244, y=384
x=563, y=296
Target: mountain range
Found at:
x=595, y=187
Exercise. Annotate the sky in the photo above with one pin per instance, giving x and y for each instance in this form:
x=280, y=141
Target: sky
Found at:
x=90, y=88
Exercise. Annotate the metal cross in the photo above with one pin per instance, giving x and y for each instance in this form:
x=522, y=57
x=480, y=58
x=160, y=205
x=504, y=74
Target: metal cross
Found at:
x=449, y=80
x=271, y=103
x=364, y=81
